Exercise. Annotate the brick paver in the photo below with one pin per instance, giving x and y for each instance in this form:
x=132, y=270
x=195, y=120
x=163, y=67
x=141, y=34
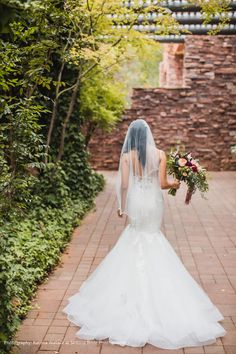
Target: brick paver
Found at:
x=204, y=236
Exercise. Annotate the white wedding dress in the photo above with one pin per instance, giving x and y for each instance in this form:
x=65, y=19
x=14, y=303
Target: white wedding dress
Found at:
x=141, y=292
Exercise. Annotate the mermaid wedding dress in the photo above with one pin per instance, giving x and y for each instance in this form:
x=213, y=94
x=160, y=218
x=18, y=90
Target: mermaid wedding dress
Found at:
x=141, y=292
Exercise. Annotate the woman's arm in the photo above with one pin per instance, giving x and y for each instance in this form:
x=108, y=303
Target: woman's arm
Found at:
x=164, y=183
x=124, y=182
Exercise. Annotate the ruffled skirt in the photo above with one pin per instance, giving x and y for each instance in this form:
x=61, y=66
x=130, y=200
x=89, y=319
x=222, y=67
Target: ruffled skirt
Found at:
x=142, y=293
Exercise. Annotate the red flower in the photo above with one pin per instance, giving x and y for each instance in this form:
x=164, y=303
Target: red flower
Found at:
x=194, y=168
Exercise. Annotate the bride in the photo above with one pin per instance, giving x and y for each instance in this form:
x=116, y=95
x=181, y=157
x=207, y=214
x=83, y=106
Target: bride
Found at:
x=141, y=292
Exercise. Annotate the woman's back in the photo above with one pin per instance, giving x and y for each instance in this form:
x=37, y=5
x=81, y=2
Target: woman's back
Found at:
x=144, y=197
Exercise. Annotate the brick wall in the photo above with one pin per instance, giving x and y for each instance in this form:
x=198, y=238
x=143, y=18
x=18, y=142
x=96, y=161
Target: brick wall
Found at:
x=201, y=113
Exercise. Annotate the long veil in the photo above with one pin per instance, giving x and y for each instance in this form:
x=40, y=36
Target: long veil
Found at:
x=138, y=165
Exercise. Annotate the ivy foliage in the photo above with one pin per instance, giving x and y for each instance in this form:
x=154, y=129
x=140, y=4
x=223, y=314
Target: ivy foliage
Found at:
x=29, y=250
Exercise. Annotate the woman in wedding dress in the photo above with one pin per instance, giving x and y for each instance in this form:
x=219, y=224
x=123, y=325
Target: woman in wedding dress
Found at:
x=141, y=292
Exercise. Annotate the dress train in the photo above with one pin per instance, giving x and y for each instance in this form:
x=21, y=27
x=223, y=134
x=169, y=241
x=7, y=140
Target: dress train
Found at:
x=142, y=293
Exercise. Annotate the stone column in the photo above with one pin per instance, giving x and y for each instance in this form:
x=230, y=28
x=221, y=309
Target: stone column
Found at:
x=171, y=68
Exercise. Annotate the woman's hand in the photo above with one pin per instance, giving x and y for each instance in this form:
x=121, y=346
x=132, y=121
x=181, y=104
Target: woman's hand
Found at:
x=175, y=184
x=120, y=214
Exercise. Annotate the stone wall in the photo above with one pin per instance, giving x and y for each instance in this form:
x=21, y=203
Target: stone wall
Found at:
x=201, y=113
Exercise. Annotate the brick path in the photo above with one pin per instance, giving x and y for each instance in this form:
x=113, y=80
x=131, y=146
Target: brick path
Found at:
x=203, y=235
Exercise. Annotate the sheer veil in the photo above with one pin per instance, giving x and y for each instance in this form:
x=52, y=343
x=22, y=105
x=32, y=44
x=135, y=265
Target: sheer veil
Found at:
x=139, y=163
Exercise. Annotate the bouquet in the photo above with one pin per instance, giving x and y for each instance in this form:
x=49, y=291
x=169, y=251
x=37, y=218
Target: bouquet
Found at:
x=184, y=167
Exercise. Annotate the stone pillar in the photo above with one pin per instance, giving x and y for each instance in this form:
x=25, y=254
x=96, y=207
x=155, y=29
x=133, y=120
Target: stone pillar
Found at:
x=171, y=68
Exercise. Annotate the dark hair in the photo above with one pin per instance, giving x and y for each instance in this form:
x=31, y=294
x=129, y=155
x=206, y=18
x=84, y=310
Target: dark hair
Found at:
x=137, y=138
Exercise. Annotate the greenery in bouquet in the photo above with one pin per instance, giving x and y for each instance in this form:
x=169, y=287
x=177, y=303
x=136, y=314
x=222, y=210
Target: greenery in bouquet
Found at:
x=184, y=167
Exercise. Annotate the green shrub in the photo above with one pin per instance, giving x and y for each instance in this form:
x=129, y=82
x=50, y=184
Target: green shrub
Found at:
x=29, y=250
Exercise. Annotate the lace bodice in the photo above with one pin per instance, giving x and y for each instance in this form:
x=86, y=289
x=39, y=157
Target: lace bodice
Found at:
x=145, y=204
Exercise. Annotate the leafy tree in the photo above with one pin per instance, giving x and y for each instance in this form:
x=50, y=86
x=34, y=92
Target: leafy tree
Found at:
x=101, y=103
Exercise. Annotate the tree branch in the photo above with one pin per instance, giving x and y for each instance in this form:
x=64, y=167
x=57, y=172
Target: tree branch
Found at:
x=55, y=103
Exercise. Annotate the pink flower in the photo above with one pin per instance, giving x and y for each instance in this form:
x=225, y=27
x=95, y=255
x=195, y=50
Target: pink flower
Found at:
x=182, y=161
